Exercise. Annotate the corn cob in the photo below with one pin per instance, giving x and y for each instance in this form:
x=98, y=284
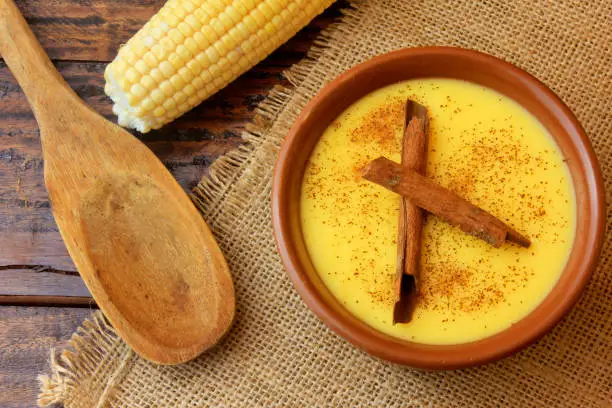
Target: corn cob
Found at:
x=191, y=49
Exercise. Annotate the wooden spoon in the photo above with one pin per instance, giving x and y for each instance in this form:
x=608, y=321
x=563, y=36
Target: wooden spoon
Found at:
x=142, y=248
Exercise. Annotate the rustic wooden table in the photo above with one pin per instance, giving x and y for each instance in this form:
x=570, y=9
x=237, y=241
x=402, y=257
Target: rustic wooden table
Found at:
x=42, y=297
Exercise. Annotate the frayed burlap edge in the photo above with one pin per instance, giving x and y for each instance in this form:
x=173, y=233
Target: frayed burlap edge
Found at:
x=87, y=347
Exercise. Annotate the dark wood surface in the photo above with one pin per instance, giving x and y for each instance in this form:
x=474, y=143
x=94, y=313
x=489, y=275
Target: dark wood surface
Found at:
x=26, y=337
x=81, y=36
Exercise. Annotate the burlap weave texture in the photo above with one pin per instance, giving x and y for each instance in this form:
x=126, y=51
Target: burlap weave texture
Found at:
x=278, y=354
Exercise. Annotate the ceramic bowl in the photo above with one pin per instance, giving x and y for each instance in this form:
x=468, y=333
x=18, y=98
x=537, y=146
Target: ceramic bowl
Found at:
x=448, y=63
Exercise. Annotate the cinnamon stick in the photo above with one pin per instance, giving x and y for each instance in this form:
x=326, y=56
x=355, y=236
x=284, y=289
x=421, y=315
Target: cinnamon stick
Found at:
x=441, y=202
x=414, y=157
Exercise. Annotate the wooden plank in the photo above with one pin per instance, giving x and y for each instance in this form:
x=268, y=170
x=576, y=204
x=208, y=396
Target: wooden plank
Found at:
x=93, y=30
x=86, y=29
x=26, y=335
x=33, y=249
x=41, y=282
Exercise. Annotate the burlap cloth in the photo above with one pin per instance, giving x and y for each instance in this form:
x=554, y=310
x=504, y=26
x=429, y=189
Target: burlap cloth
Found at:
x=278, y=354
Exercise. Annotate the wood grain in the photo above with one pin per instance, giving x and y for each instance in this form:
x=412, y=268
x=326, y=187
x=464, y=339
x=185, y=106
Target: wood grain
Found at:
x=42, y=282
x=34, y=249
x=26, y=336
x=28, y=234
x=86, y=29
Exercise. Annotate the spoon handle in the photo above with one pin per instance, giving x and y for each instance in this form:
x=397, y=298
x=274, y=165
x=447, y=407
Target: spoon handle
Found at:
x=29, y=63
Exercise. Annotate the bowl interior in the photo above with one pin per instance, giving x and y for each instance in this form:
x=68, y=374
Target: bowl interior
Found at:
x=446, y=63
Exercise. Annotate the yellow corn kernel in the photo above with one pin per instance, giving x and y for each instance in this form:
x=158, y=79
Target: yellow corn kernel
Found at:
x=171, y=20
x=139, y=111
x=212, y=54
x=194, y=66
x=141, y=67
x=197, y=83
x=186, y=74
x=221, y=47
x=218, y=5
x=193, y=101
x=157, y=75
x=189, y=7
x=202, y=93
x=128, y=55
x=120, y=66
x=201, y=41
x=206, y=77
x=228, y=42
x=266, y=10
x=159, y=111
x=166, y=87
x=158, y=52
x=169, y=104
x=210, y=88
x=179, y=97
x=172, y=113
x=233, y=57
x=233, y=16
x=210, y=33
x=250, y=4
x=227, y=76
x=270, y=28
x=250, y=23
x=176, y=61
x=214, y=71
x=189, y=90
x=167, y=69
x=132, y=75
x=148, y=82
x=158, y=96
x=227, y=21
x=147, y=105
x=150, y=59
x=203, y=60
x=138, y=91
x=123, y=83
x=185, y=29
x=259, y=16
x=176, y=36
x=241, y=9
x=193, y=22
x=156, y=33
x=202, y=16
x=218, y=82
x=177, y=82
x=180, y=12
x=139, y=49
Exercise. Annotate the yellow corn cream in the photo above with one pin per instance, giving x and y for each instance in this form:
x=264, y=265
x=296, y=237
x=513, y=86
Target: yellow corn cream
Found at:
x=484, y=147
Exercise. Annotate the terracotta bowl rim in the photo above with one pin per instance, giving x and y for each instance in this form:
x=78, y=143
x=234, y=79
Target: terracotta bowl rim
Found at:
x=450, y=356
